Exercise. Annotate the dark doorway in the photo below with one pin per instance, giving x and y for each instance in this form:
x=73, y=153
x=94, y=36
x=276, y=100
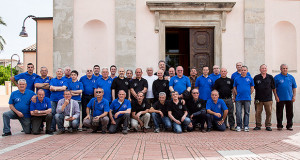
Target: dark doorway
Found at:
x=190, y=47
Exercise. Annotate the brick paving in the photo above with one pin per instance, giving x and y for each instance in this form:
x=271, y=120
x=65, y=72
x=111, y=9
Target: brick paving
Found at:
x=165, y=145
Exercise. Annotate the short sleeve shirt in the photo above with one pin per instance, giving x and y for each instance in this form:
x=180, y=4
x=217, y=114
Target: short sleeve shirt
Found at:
x=214, y=77
x=237, y=74
x=46, y=80
x=106, y=86
x=116, y=104
x=100, y=107
x=284, y=85
x=29, y=79
x=224, y=86
x=177, y=109
x=21, y=101
x=136, y=107
x=161, y=107
x=138, y=85
x=263, y=87
x=88, y=84
x=180, y=84
x=67, y=79
x=218, y=107
x=40, y=106
x=195, y=106
x=57, y=95
x=120, y=84
x=243, y=86
x=74, y=86
x=205, y=85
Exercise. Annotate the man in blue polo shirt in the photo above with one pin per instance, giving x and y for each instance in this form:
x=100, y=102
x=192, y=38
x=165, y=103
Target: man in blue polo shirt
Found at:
x=96, y=71
x=29, y=76
x=285, y=86
x=19, y=102
x=43, y=82
x=180, y=82
x=41, y=112
x=99, y=108
x=243, y=87
x=218, y=110
x=57, y=88
x=105, y=83
x=67, y=76
x=216, y=73
x=88, y=81
x=238, y=71
x=204, y=83
x=119, y=113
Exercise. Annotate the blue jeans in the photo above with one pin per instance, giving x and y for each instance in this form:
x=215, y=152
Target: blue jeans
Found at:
x=7, y=116
x=214, y=122
x=157, y=119
x=60, y=122
x=177, y=127
x=53, y=107
x=239, y=107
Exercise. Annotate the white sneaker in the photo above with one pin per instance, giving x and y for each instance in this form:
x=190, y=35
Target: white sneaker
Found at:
x=238, y=129
x=246, y=129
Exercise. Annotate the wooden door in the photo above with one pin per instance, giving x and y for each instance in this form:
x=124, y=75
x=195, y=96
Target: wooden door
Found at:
x=202, y=48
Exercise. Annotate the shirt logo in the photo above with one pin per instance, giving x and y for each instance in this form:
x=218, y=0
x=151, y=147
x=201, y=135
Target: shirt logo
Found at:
x=33, y=77
x=77, y=86
x=258, y=81
x=17, y=100
x=135, y=84
x=143, y=105
x=101, y=106
x=164, y=84
x=126, y=83
x=247, y=79
x=175, y=81
x=219, y=105
x=180, y=106
x=45, y=106
x=109, y=82
x=209, y=80
x=281, y=81
x=61, y=82
x=46, y=81
x=228, y=82
x=199, y=105
x=124, y=106
x=93, y=81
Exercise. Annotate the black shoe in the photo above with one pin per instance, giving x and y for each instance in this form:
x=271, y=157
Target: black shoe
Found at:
x=279, y=129
x=6, y=134
x=257, y=128
x=103, y=132
x=124, y=131
x=268, y=128
x=94, y=131
x=202, y=130
x=208, y=129
x=49, y=132
x=290, y=128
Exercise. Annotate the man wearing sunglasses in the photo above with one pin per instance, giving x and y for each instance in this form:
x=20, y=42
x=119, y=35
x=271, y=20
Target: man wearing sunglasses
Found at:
x=29, y=76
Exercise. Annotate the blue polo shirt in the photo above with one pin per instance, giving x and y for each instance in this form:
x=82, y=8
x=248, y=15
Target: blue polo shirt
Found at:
x=205, y=85
x=237, y=74
x=214, y=77
x=57, y=95
x=106, y=86
x=284, y=86
x=100, y=108
x=46, y=80
x=180, y=84
x=243, y=86
x=116, y=104
x=88, y=84
x=40, y=106
x=29, y=79
x=220, y=107
x=21, y=101
x=97, y=77
x=67, y=79
x=73, y=86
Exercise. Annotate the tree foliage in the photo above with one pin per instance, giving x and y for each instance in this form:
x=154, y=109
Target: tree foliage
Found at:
x=5, y=74
x=2, y=41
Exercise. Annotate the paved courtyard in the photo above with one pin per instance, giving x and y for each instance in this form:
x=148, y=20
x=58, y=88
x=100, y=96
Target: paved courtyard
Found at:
x=165, y=145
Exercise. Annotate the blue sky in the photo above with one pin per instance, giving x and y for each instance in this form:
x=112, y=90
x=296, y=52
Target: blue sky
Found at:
x=13, y=12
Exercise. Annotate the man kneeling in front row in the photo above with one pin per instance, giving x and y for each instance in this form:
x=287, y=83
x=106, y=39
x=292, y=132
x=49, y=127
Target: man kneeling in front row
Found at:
x=119, y=113
x=67, y=113
x=41, y=112
x=218, y=110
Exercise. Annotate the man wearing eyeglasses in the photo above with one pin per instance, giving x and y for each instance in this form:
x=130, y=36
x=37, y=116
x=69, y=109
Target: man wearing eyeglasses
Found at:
x=88, y=81
x=97, y=111
x=29, y=76
x=180, y=82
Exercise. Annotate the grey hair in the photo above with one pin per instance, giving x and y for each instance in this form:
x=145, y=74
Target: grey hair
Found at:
x=162, y=94
x=283, y=65
x=149, y=68
x=22, y=80
x=105, y=68
x=123, y=91
x=44, y=67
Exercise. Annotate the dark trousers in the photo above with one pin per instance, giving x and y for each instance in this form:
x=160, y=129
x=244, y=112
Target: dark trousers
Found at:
x=84, y=101
x=120, y=120
x=36, y=122
x=289, y=113
x=230, y=115
x=201, y=118
x=212, y=122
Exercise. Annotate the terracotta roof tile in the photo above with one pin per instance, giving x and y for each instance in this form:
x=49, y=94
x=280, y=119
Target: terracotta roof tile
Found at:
x=31, y=48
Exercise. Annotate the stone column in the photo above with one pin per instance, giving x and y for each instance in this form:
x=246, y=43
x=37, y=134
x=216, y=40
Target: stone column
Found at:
x=254, y=35
x=125, y=32
x=63, y=45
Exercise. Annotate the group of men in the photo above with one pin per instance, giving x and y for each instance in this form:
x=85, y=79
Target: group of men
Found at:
x=174, y=101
